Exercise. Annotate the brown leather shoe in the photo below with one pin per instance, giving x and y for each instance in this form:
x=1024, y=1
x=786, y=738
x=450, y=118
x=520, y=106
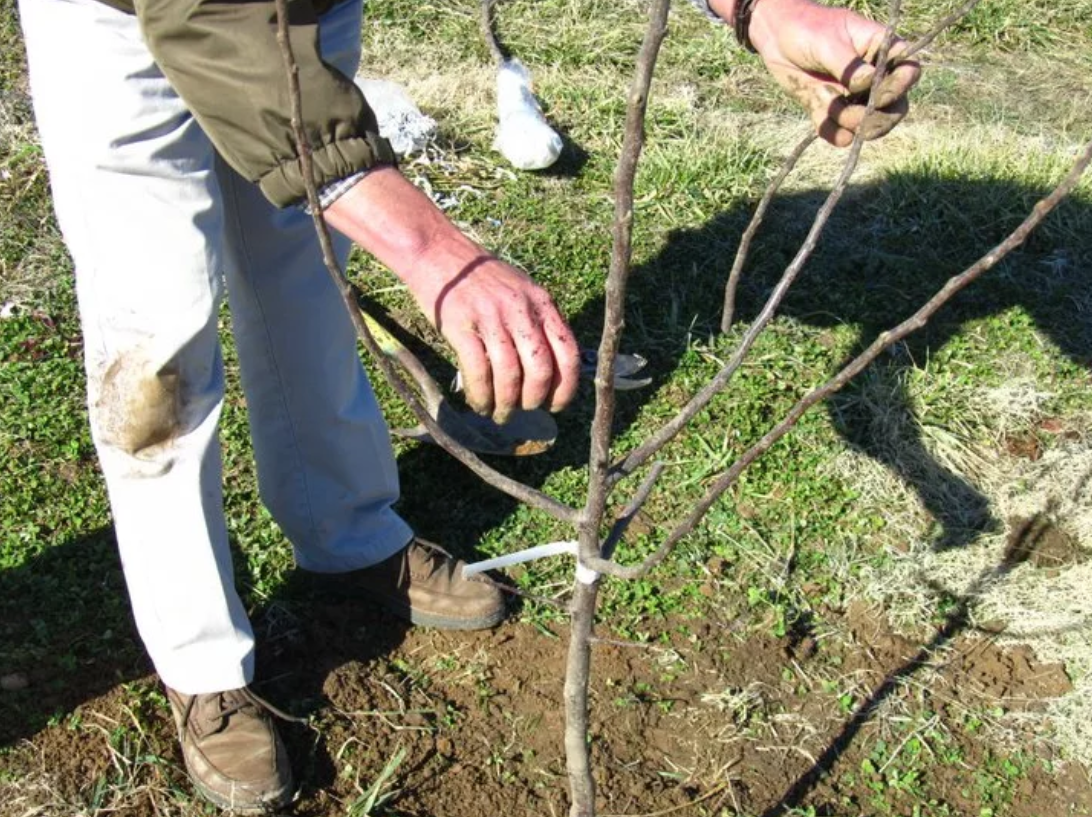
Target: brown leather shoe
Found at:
x=424, y=583
x=233, y=754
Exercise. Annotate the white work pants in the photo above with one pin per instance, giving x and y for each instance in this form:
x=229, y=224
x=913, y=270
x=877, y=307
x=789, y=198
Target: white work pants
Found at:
x=155, y=222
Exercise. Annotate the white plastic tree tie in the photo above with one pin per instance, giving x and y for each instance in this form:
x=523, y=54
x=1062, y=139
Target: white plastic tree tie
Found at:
x=584, y=575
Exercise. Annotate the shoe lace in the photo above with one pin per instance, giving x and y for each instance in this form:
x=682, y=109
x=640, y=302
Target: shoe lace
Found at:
x=232, y=701
x=437, y=558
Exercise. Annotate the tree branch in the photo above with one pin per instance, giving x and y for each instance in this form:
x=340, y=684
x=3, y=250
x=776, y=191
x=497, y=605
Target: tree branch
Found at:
x=667, y=432
x=728, y=313
x=926, y=39
x=851, y=370
x=630, y=511
x=585, y=596
x=514, y=488
x=621, y=252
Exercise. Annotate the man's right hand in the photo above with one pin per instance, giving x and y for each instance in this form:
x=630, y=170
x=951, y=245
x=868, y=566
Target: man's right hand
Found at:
x=514, y=348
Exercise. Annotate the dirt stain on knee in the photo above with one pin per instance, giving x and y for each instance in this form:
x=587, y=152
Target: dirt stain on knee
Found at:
x=138, y=405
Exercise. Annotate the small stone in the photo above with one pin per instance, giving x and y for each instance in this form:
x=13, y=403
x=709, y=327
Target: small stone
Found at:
x=13, y=682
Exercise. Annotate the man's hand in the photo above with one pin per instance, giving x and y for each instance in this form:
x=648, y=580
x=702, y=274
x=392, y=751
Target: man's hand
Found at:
x=515, y=350
x=824, y=57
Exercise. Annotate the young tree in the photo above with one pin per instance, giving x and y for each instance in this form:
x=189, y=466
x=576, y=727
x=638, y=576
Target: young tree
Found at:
x=595, y=551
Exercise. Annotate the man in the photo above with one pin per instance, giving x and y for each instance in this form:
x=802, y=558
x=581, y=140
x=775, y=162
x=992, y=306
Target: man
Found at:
x=173, y=171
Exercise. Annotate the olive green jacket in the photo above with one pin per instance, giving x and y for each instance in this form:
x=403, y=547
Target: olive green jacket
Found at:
x=223, y=59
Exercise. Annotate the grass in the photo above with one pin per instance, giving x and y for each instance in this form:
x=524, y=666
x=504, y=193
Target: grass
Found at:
x=908, y=477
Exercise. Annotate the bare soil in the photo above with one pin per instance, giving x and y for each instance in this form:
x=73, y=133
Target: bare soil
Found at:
x=707, y=720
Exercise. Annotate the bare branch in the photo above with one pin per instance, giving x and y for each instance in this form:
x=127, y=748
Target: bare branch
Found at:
x=667, y=432
x=926, y=39
x=514, y=488
x=728, y=313
x=630, y=511
x=637, y=457
x=520, y=593
x=621, y=252
x=857, y=365
x=577, y=756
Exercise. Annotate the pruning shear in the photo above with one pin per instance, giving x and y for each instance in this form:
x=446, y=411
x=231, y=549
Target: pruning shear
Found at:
x=625, y=367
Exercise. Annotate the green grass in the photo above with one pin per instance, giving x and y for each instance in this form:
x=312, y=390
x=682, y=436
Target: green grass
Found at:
x=799, y=536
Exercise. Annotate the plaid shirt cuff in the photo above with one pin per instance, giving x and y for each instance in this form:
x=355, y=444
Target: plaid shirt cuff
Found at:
x=335, y=190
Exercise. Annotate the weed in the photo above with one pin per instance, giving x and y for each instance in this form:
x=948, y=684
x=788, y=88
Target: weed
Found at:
x=371, y=802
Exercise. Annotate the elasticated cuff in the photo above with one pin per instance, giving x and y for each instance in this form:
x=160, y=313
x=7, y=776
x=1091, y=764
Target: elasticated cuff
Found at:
x=333, y=162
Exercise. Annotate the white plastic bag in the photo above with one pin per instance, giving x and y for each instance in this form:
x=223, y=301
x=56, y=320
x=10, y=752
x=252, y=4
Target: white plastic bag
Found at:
x=400, y=120
x=524, y=136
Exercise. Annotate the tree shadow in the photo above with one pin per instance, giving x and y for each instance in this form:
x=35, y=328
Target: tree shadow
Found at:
x=889, y=247
x=1021, y=546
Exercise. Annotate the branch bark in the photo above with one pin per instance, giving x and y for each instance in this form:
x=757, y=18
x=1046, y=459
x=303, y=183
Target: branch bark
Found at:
x=852, y=369
x=514, y=488
x=729, y=310
x=585, y=596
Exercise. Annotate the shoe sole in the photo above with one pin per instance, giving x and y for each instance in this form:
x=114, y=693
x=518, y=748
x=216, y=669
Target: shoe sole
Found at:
x=279, y=800
x=419, y=618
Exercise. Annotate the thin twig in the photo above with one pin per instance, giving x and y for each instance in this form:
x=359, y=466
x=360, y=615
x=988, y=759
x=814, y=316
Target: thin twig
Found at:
x=523, y=594
x=630, y=511
x=674, y=809
x=926, y=39
x=615, y=642
x=514, y=488
x=667, y=432
x=728, y=313
x=855, y=367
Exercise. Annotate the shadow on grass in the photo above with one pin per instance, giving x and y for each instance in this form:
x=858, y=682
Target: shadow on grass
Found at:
x=66, y=630
x=887, y=250
x=1021, y=546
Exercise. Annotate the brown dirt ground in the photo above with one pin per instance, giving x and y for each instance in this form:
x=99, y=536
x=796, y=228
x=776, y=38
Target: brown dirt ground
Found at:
x=709, y=717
